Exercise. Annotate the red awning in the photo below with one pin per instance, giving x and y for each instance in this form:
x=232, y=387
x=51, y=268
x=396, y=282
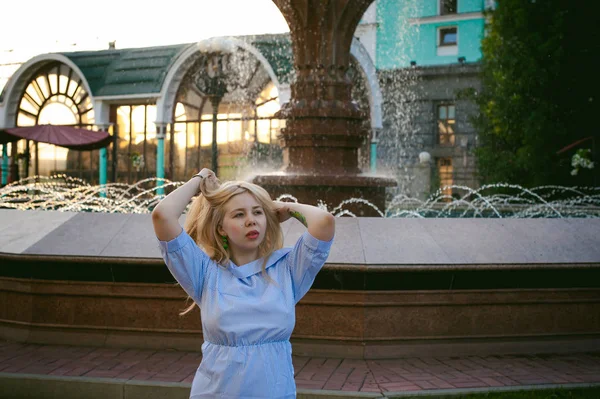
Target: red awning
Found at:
x=63, y=136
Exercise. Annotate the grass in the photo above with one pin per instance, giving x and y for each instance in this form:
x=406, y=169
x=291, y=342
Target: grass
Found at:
x=568, y=393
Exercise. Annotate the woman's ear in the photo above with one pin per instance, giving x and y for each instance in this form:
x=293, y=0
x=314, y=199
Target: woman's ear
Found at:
x=220, y=230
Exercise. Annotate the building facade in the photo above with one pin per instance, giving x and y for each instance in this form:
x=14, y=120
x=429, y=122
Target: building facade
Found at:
x=175, y=109
x=426, y=53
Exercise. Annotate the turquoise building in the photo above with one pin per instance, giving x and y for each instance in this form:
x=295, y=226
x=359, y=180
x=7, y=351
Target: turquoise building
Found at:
x=425, y=52
x=152, y=101
x=428, y=32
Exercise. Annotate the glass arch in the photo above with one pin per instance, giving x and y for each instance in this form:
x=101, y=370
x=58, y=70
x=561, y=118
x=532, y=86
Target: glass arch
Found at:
x=247, y=127
x=55, y=83
x=56, y=95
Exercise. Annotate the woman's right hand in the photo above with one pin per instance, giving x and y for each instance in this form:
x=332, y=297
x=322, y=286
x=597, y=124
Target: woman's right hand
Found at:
x=207, y=180
x=205, y=173
x=165, y=216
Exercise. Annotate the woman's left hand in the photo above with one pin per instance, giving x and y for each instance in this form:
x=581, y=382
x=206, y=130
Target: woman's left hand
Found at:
x=282, y=210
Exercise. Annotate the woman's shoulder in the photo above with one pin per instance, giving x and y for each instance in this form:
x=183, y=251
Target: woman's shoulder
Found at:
x=278, y=255
x=313, y=243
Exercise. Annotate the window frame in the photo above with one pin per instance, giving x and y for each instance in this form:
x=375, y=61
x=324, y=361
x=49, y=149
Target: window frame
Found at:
x=441, y=7
x=439, y=36
x=446, y=49
x=447, y=176
x=451, y=138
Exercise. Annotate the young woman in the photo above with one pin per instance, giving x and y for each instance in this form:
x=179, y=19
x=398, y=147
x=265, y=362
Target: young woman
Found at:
x=229, y=260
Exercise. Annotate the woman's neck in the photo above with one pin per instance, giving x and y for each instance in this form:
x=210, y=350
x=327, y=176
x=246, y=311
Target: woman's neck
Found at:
x=241, y=259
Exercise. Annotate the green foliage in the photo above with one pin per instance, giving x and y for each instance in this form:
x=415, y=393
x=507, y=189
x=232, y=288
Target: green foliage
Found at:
x=567, y=393
x=537, y=95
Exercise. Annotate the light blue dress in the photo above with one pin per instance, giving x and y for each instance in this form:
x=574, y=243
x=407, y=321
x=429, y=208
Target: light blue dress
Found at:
x=246, y=321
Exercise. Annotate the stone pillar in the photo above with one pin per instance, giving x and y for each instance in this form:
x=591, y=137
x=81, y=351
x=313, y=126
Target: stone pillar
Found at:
x=5, y=164
x=103, y=162
x=161, y=131
x=101, y=112
x=14, y=165
x=324, y=129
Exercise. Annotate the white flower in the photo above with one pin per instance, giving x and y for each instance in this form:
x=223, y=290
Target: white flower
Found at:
x=581, y=159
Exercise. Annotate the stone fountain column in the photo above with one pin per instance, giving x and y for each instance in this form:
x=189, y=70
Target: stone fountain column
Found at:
x=324, y=127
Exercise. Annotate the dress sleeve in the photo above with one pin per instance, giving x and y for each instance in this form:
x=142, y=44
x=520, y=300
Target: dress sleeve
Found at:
x=186, y=262
x=305, y=260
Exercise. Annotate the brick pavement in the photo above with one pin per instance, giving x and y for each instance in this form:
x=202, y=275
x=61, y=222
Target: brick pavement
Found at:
x=391, y=375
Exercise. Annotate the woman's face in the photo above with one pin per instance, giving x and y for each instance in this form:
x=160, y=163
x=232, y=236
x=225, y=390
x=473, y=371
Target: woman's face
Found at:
x=244, y=223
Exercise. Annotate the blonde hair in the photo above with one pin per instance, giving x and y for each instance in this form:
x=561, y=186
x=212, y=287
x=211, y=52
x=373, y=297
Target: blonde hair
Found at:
x=207, y=212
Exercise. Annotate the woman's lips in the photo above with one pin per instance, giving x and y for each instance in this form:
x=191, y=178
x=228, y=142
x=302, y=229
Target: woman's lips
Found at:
x=252, y=235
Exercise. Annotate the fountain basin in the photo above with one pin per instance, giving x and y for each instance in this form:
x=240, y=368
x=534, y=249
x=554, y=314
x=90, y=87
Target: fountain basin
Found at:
x=331, y=189
x=391, y=287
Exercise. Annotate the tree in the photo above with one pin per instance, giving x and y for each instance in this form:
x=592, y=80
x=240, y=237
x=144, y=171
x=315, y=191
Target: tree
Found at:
x=537, y=97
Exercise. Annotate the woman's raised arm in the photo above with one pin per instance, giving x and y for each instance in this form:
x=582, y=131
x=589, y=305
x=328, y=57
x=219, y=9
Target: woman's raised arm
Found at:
x=165, y=216
x=320, y=223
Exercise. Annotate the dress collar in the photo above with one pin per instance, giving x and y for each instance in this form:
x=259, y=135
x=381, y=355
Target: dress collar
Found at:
x=254, y=267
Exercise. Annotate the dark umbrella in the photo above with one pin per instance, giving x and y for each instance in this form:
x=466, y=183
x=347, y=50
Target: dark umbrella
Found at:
x=63, y=136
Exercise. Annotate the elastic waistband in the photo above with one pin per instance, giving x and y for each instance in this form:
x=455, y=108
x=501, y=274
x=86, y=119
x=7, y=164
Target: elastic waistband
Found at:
x=248, y=345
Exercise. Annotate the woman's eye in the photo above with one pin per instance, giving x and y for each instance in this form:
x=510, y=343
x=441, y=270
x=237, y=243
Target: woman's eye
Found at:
x=237, y=215
x=258, y=212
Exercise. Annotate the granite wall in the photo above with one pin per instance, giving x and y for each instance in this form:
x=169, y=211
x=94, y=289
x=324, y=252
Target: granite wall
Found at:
x=391, y=287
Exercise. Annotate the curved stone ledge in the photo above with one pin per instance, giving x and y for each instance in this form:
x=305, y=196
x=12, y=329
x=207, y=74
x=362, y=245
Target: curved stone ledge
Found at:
x=367, y=324
x=390, y=287
x=370, y=268
x=331, y=277
x=368, y=242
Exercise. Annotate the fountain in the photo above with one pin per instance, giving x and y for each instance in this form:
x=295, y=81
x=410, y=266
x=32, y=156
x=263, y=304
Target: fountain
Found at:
x=424, y=276
x=69, y=194
x=401, y=137
x=324, y=127
x=87, y=270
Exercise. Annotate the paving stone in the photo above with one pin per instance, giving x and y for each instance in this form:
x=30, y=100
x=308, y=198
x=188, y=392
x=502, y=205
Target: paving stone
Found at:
x=391, y=375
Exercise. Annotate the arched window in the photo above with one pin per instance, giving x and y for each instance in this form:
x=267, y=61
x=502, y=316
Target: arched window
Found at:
x=58, y=87
x=57, y=96
x=246, y=125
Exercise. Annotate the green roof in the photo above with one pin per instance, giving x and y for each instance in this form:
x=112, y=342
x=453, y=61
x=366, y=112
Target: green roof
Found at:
x=126, y=71
x=277, y=49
